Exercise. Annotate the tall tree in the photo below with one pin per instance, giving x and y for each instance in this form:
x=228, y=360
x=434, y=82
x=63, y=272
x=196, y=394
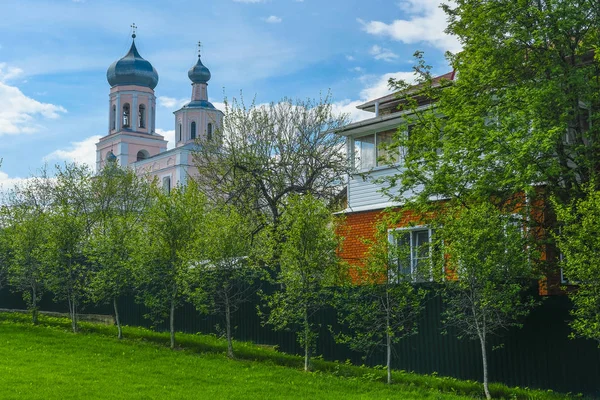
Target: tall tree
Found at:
x=120, y=198
x=70, y=225
x=579, y=242
x=225, y=278
x=265, y=153
x=24, y=238
x=486, y=268
x=169, y=250
x=382, y=309
x=309, y=264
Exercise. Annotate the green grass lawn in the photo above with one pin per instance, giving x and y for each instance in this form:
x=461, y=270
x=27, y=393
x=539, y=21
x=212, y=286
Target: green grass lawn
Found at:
x=48, y=362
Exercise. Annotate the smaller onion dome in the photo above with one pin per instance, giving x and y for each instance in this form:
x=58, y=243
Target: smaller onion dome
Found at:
x=199, y=73
x=110, y=157
x=132, y=69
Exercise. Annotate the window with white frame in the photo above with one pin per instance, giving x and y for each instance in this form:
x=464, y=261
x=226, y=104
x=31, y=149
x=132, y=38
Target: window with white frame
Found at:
x=412, y=256
x=374, y=150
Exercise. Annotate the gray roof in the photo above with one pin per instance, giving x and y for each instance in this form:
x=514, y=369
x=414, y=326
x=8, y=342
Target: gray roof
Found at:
x=132, y=69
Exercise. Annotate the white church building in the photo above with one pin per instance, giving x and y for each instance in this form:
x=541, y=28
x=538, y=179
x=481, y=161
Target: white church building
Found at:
x=131, y=139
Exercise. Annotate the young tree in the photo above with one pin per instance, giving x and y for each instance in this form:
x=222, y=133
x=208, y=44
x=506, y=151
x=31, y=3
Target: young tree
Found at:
x=120, y=198
x=263, y=154
x=579, y=242
x=70, y=225
x=225, y=278
x=383, y=307
x=309, y=264
x=487, y=267
x=169, y=249
x=24, y=238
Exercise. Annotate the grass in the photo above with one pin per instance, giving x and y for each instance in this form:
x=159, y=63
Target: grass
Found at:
x=48, y=362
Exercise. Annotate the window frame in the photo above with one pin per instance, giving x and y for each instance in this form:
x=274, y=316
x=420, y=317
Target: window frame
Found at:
x=378, y=152
x=393, y=238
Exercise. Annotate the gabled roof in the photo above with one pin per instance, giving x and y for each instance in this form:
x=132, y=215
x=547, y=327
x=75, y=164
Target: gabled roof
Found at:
x=392, y=100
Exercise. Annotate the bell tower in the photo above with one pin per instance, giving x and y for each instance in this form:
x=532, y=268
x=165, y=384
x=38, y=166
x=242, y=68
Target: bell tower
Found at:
x=131, y=132
x=198, y=118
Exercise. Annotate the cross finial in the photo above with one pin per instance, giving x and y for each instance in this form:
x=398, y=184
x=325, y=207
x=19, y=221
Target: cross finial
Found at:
x=199, y=48
x=133, y=30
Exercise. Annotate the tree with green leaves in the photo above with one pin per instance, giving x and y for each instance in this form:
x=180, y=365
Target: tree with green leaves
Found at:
x=384, y=306
x=522, y=116
x=265, y=153
x=119, y=199
x=168, y=251
x=486, y=269
x=308, y=266
x=70, y=223
x=225, y=278
x=24, y=238
x=579, y=242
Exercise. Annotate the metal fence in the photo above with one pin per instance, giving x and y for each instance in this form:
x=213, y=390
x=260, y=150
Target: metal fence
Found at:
x=540, y=355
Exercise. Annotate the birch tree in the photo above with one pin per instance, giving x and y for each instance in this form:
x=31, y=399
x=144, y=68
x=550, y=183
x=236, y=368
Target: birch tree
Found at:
x=309, y=265
x=168, y=250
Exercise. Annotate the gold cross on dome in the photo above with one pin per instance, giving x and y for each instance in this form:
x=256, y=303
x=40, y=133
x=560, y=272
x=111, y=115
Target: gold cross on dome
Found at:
x=199, y=48
x=133, y=29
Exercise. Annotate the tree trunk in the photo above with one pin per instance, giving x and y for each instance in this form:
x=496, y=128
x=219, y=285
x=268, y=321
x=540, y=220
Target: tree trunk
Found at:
x=73, y=312
x=172, y=324
x=34, y=310
x=306, y=343
x=388, y=338
x=228, y=328
x=117, y=319
x=485, y=366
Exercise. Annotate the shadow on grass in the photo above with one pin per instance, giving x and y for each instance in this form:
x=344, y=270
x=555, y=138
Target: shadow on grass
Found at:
x=247, y=351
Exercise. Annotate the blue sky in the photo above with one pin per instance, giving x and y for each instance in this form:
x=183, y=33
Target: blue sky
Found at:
x=54, y=55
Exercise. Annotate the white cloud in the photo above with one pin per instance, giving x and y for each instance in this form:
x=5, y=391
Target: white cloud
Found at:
x=171, y=102
x=7, y=183
x=19, y=113
x=348, y=107
x=83, y=152
x=426, y=23
x=169, y=136
x=273, y=19
x=350, y=58
x=249, y=1
x=357, y=69
x=379, y=87
x=8, y=72
x=383, y=54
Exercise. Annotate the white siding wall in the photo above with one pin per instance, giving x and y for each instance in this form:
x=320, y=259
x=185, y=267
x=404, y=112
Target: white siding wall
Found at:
x=363, y=192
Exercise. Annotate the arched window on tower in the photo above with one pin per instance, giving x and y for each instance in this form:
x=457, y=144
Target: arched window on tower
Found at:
x=142, y=155
x=180, y=132
x=193, y=130
x=142, y=116
x=126, y=115
x=209, y=132
x=113, y=117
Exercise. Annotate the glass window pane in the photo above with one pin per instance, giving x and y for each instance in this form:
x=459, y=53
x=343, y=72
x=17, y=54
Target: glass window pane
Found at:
x=364, y=152
x=386, y=155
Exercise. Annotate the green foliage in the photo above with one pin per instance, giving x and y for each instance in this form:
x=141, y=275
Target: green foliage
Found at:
x=225, y=277
x=308, y=265
x=579, y=242
x=382, y=309
x=168, y=249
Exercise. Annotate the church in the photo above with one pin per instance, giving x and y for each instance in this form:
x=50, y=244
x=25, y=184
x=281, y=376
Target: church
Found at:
x=131, y=139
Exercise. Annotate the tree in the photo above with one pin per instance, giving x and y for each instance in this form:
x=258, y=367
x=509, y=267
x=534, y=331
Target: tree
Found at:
x=383, y=308
x=309, y=264
x=168, y=250
x=486, y=268
x=523, y=112
x=225, y=278
x=120, y=198
x=263, y=154
x=24, y=238
x=579, y=242
x=70, y=224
